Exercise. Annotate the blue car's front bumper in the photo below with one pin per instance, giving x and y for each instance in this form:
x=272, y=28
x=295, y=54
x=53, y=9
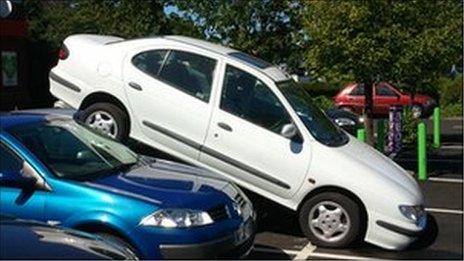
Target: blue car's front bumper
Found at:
x=231, y=238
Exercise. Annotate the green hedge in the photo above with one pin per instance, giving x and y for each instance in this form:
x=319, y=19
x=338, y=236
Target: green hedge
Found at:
x=321, y=88
x=450, y=95
x=323, y=102
x=452, y=110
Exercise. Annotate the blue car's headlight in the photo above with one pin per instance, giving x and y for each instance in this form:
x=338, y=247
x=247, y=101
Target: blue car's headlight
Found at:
x=171, y=218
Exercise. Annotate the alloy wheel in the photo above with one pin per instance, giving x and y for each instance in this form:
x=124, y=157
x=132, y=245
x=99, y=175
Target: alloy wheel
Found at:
x=103, y=122
x=329, y=221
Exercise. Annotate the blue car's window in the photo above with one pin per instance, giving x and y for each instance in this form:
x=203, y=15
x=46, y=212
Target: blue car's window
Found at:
x=72, y=151
x=9, y=162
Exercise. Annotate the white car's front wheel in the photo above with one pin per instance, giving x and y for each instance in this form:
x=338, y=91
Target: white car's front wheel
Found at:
x=330, y=219
x=108, y=119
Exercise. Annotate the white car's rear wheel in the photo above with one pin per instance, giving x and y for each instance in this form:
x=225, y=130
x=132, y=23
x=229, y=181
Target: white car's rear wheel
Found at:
x=104, y=122
x=330, y=219
x=107, y=119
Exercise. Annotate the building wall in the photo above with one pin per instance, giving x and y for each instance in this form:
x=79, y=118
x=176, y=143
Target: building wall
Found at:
x=14, y=65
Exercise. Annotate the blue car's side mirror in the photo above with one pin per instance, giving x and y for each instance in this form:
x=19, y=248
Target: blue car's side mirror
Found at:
x=12, y=178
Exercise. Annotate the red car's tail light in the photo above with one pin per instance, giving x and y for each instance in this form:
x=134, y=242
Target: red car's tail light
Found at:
x=63, y=53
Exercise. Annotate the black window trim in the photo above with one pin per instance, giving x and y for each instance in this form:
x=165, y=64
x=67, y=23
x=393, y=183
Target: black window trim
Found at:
x=298, y=138
x=176, y=87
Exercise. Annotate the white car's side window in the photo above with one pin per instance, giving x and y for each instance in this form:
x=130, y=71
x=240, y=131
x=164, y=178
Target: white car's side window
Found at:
x=150, y=61
x=188, y=72
x=247, y=97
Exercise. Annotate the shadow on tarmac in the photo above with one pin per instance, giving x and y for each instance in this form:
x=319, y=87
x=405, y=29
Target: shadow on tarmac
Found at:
x=421, y=249
x=273, y=253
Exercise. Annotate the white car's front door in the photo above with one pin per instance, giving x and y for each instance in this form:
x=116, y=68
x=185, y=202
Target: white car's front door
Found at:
x=169, y=93
x=244, y=140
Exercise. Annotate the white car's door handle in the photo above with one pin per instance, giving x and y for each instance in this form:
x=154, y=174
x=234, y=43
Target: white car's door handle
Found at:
x=135, y=86
x=224, y=126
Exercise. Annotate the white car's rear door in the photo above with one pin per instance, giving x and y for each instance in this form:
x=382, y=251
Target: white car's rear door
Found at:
x=169, y=91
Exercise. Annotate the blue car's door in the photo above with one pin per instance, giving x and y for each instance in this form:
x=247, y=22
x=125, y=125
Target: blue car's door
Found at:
x=17, y=197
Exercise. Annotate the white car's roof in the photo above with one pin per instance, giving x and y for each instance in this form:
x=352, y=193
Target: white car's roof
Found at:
x=201, y=43
x=269, y=69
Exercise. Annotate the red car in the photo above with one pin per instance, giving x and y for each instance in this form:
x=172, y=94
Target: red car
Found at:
x=351, y=98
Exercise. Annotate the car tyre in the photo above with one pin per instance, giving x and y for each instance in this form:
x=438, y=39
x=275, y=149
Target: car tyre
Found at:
x=118, y=241
x=107, y=118
x=330, y=219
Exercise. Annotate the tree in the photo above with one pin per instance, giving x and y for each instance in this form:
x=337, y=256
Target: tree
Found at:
x=270, y=29
x=52, y=21
x=405, y=42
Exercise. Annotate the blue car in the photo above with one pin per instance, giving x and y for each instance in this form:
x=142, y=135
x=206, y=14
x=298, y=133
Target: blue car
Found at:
x=55, y=170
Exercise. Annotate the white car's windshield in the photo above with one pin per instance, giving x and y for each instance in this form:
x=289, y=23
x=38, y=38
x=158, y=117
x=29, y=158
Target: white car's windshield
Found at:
x=73, y=151
x=315, y=120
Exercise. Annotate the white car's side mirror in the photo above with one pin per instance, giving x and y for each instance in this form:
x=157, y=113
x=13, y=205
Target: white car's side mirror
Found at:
x=289, y=130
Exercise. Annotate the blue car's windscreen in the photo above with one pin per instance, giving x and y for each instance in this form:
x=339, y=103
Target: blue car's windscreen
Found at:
x=73, y=151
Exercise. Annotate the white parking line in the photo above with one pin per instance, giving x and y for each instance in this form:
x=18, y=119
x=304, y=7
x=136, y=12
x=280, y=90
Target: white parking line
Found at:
x=305, y=252
x=430, y=160
x=338, y=256
x=276, y=251
x=444, y=210
x=450, y=180
x=451, y=147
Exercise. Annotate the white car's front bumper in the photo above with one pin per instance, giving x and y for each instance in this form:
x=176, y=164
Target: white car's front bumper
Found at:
x=392, y=234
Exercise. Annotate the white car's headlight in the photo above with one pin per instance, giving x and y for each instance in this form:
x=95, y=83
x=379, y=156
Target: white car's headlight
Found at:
x=413, y=213
x=172, y=218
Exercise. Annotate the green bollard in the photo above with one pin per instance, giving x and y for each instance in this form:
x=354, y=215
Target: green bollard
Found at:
x=436, y=127
x=361, y=135
x=380, y=135
x=422, y=151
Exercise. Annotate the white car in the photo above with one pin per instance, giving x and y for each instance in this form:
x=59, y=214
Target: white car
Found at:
x=245, y=119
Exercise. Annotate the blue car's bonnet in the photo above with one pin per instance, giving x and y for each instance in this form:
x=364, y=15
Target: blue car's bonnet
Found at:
x=166, y=184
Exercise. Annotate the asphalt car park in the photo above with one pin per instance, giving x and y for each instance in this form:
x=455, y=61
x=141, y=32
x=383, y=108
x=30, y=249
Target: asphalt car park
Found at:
x=279, y=236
